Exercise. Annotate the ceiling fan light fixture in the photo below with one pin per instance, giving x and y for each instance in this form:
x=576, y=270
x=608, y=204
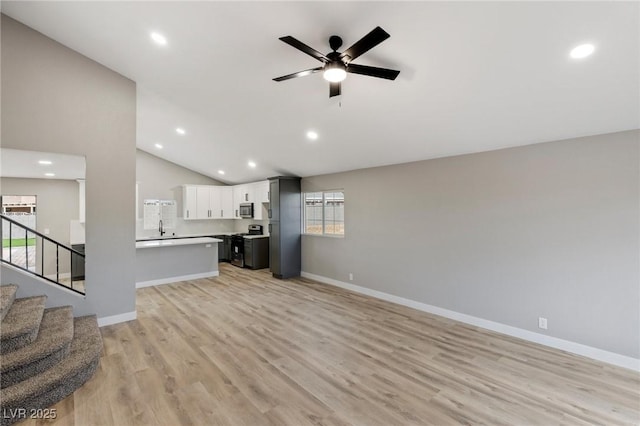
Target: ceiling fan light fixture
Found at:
x=334, y=72
x=335, y=65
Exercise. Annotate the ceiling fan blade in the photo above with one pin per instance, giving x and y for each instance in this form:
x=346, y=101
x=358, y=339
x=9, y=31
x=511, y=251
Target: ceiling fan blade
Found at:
x=373, y=71
x=334, y=89
x=371, y=40
x=298, y=74
x=304, y=48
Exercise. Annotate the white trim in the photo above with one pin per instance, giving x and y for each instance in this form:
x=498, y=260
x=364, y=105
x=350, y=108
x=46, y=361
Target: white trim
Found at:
x=115, y=319
x=170, y=280
x=554, y=342
x=40, y=279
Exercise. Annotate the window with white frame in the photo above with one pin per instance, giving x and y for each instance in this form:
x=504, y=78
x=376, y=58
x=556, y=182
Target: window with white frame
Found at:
x=324, y=213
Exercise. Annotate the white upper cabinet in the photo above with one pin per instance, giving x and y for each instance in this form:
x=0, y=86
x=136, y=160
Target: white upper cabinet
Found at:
x=261, y=191
x=247, y=193
x=207, y=202
x=260, y=196
x=226, y=197
x=221, y=202
x=203, y=202
x=215, y=202
x=238, y=198
x=189, y=197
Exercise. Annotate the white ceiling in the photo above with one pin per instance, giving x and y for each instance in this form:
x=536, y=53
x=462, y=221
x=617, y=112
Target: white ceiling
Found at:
x=474, y=77
x=18, y=163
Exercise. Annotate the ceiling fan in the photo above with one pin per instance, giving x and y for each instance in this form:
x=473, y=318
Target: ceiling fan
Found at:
x=336, y=65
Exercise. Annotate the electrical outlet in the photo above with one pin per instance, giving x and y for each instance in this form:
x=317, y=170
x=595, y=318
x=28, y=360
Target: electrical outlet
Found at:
x=350, y=276
x=542, y=323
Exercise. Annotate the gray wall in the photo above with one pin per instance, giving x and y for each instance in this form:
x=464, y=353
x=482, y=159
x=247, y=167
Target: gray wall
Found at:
x=56, y=100
x=161, y=263
x=161, y=179
x=57, y=204
x=547, y=230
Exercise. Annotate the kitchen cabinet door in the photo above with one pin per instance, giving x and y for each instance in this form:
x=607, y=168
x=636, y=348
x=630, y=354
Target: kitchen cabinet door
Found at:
x=215, y=202
x=238, y=197
x=248, y=194
x=274, y=249
x=203, y=202
x=189, y=205
x=261, y=191
x=258, y=211
x=274, y=203
x=226, y=202
x=221, y=202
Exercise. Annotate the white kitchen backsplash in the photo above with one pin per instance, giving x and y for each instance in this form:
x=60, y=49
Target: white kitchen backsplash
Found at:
x=190, y=227
x=242, y=225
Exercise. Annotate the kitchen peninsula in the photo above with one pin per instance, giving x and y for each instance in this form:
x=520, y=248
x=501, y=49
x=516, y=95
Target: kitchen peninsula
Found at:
x=168, y=260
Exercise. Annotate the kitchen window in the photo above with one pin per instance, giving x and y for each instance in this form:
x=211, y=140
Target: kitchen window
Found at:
x=324, y=213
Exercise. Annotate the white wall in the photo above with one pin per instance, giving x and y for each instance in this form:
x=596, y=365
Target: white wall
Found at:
x=161, y=179
x=56, y=206
x=56, y=100
x=547, y=230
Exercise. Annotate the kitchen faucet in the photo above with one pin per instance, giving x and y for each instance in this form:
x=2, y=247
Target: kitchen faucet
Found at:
x=161, y=228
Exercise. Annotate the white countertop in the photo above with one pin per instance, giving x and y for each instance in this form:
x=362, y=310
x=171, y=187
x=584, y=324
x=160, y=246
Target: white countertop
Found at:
x=170, y=237
x=251, y=237
x=176, y=242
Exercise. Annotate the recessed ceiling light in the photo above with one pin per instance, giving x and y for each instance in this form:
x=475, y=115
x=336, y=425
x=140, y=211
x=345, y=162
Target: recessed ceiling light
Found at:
x=252, y=164
x=45, y=162
x=50, y=174
x=582, y=51
x=180, y=130
x=159, y=146
x=312, y=135
x=220, y=172
x=159, y=39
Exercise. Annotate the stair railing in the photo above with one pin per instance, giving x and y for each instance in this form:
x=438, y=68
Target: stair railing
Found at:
x=12, y=254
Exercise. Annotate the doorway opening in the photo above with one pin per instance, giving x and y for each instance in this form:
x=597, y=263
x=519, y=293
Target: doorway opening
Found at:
x=17, y=244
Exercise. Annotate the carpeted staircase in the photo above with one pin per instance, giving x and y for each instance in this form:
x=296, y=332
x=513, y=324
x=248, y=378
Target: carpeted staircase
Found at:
x=45, y=354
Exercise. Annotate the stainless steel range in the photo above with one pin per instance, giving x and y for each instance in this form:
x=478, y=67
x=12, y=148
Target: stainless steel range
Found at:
x=237, y=245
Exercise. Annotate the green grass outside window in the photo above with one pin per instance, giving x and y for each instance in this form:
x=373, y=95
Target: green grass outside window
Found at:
x=19, y=242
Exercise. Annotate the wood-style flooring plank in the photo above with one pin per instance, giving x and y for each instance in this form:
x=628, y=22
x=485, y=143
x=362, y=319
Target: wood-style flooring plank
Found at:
x=247, y=349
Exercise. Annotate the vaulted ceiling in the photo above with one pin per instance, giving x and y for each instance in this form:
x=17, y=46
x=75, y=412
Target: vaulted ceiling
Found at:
x=475, y=76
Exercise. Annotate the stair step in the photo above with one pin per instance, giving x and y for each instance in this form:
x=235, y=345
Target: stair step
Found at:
x=20, y=326
x=51, y=345
x=56, y=383
x=7, y=295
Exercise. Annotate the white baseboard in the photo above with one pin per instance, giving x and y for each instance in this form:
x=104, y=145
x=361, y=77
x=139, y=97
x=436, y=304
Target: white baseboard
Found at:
x=554, y=342
x=177, y=279
x=115, y=319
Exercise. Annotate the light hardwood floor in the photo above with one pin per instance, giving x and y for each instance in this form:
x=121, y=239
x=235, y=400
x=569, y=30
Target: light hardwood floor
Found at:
x=246, y=349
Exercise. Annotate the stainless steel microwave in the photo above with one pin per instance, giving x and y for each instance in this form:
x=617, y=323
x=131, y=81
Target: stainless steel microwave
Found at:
x=246, y=210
